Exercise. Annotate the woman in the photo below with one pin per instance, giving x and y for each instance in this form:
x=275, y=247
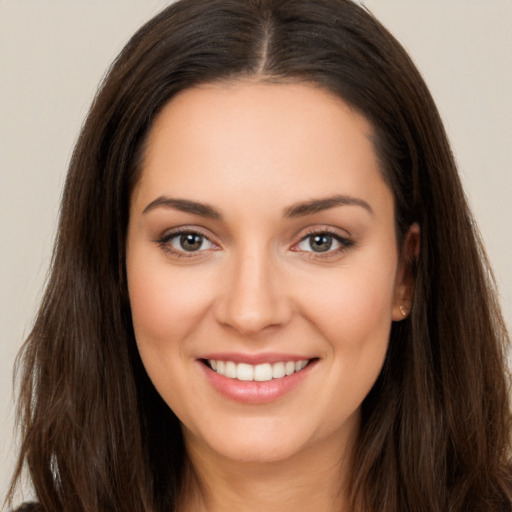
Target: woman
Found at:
x=267, y=291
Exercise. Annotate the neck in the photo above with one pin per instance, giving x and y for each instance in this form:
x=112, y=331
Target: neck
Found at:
x=309, y=481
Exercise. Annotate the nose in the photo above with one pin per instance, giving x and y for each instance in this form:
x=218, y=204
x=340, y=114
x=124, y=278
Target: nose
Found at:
x=253, y=296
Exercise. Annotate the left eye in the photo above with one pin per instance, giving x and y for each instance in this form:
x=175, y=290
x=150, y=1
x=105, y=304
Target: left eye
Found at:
x=319, y=243
x=189, y=242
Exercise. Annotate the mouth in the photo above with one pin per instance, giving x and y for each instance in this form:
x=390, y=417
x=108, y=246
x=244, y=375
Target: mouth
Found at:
x=256, y=378
x=264, y=372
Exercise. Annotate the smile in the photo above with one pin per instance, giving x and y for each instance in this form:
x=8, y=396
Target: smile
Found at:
x=256, y=379
x=257, y=373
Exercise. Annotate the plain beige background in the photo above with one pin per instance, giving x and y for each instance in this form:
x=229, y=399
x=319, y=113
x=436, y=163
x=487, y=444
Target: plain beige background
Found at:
x=53, y=53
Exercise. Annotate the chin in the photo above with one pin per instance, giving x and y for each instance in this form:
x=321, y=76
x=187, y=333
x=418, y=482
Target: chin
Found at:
x=269, y=440
x=261, y=451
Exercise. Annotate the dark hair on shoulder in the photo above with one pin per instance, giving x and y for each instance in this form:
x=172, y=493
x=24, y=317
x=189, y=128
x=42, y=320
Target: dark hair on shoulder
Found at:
x=435, y=434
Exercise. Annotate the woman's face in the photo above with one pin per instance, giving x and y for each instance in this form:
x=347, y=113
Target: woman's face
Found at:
x=261, y=239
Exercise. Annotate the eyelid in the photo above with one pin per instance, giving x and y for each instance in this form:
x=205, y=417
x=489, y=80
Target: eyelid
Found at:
x=346, y=242
x=164, y=241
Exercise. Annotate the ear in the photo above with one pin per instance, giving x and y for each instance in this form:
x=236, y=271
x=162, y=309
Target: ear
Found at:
x=404, y=286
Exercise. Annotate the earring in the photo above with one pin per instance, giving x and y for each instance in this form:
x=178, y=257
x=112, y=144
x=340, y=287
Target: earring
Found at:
x=404, y=311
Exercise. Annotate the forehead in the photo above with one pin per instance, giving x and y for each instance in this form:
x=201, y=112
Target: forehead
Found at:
x=281, y=140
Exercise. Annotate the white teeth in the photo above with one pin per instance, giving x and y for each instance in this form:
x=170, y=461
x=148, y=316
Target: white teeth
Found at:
x=289, y=368
x=260, y=372
x=230, y=370
x=263, y=372
x=278, y=371
x=244, y=372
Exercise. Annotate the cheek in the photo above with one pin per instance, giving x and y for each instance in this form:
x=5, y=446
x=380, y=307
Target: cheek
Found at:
x=166, y=304
x=355, y=306
x=353, y=313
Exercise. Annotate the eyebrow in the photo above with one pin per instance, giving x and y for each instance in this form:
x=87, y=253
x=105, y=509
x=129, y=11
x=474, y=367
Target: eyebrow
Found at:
x=317, y=205
x=295, y=210
x=184, y=205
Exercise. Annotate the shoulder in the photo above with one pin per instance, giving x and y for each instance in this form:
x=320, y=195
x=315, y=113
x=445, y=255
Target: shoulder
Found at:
x=29, y=507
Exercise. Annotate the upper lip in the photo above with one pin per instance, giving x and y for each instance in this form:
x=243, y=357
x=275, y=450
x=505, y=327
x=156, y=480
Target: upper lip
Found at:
x=254, y=359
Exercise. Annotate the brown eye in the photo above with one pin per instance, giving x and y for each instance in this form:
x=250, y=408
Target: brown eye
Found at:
x=320, y=243
x=191, y=242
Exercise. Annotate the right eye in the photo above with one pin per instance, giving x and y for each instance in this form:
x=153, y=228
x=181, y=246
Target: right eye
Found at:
x=190, y=242
x=186, y=243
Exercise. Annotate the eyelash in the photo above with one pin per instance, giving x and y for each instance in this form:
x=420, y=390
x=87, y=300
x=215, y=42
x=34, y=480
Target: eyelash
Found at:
x=164, y=242
x=345, y=243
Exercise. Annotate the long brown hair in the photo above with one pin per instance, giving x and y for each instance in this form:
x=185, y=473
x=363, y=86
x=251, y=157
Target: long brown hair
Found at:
x=435, y=434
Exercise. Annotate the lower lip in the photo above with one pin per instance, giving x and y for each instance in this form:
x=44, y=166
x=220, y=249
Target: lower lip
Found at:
x=252, y=392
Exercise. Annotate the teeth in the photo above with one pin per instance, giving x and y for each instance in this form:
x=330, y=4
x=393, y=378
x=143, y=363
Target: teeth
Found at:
x=244, y=371
x=278, y=370
x=230, y=370
x=263, y=372
x=289, y=368
x=259, y=372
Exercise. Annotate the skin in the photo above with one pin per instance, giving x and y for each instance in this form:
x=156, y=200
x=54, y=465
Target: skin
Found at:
x=252, y=152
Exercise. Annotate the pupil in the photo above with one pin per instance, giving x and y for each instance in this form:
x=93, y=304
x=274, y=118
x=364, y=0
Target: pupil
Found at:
x=321, y=243
x=191, y=242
